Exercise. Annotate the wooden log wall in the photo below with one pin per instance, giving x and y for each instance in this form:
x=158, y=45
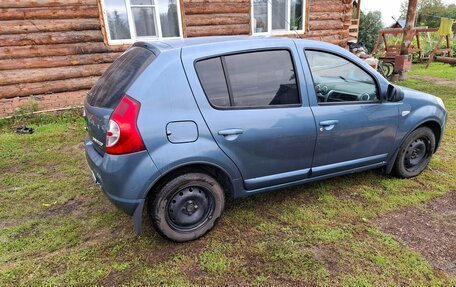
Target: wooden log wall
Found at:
x=215, y=17
x=327, y=20
x=52, y=50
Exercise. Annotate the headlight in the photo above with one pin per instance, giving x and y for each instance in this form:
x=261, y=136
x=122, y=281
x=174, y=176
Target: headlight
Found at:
x=440, y=102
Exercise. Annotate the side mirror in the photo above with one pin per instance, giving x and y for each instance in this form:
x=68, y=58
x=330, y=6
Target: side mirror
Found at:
x=394, y=94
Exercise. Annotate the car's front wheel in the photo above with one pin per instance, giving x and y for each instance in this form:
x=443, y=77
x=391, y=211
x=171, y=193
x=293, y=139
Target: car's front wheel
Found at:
x=415, y=153
x=188, y=206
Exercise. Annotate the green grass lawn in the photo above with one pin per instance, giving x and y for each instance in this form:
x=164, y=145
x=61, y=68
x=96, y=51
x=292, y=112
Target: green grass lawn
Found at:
x=56, y=227
x=437, y=70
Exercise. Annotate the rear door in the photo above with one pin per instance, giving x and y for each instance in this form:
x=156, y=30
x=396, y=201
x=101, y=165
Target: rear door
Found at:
x=108, y=91
x=255, y=109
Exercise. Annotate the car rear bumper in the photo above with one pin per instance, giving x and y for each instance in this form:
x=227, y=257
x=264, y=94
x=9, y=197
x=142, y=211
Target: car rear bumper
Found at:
x=124, y=179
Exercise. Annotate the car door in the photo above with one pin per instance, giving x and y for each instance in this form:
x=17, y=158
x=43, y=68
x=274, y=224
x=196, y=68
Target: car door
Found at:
x=356, y=129
x=255, y=110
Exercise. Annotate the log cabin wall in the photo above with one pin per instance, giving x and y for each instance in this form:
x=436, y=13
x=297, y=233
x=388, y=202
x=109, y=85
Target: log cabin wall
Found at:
x=326, y=20
x=216, y=17
x=53, y=51
x=329, y=21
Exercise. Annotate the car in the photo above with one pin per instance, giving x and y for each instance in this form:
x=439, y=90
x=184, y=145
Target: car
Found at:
x=176, y=127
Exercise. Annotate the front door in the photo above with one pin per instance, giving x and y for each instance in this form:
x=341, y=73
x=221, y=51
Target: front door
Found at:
x=255, y=111
x=355, y=128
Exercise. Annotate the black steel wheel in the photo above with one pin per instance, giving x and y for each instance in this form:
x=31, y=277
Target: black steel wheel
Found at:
x=187, y=206
x=415, y=153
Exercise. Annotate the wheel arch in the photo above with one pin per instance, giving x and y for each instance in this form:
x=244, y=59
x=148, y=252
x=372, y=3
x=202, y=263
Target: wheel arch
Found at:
x=435, y=127
x=219, y=173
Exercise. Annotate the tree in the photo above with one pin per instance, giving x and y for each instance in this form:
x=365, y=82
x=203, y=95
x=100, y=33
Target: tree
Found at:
x=369, y=26
x=430, y=11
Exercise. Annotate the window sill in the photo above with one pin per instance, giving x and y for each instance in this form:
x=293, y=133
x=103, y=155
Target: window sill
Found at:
x=132, y=41
x=279, y=33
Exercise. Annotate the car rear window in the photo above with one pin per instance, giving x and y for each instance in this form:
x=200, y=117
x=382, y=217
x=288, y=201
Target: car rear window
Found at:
x=254, y=79
x=113, y=84
x=213, y=81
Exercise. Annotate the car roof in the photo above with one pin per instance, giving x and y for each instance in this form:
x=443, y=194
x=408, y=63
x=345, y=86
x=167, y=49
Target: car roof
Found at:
x=172, y=44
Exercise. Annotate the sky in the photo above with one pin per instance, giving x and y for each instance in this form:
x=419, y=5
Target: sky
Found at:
x=389, y=8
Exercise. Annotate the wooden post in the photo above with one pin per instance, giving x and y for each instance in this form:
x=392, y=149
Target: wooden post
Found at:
x=403, y=62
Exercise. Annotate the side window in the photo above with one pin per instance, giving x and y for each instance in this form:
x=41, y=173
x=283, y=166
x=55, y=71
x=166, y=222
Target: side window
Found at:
x=339, y=80
x=256, y=79
x=212, y=77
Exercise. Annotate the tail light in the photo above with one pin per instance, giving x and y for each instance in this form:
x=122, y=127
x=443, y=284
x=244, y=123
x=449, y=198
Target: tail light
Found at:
x=123, y=135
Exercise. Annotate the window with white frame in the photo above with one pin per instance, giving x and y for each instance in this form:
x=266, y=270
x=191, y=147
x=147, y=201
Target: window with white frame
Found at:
x=277, y=16
x=131, y=20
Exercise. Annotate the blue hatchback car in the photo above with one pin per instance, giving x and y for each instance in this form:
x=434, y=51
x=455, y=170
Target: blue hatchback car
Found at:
x=175, y=127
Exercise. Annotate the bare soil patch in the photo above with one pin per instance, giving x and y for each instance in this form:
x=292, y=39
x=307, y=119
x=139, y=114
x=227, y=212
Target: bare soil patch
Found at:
x=437, y=81
x=69, y=207
x=429, y=229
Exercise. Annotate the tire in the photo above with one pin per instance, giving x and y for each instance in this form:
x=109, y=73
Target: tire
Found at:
x=415, y=153
x=187, y=207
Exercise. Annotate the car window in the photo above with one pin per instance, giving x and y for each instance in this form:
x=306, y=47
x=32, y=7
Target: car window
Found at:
x=339, y=80
x=210, y=73
x=112, y=85
x=256, y=79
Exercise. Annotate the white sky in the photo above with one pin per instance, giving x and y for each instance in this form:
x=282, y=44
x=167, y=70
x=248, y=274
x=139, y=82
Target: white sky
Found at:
x=389, y=8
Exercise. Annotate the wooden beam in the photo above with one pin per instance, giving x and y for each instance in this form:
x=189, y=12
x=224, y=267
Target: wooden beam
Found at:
x=70, y=12
x=396, y=31
x=214, y=8
x=326, y=25
x=44, y=3
x=409, y=25
x=35, y=26
x=199, y=31
x=377, y=44
x=58, y=61
x=217, y=19
x=322, y=7
x=447, y=60
x=17, y=52
x=10, y=77
x=326, y=16
x=51, y=38
x=28, y=89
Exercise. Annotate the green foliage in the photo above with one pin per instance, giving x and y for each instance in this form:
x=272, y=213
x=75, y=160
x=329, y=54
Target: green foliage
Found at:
x=429, y=11
x=369, y=27
x=437, y=70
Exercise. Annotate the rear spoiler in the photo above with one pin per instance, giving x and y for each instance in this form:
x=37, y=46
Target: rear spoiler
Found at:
x=153, y=47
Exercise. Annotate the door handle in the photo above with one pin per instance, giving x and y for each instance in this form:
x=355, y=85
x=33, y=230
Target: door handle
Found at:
x=328, y=125
x=230, y=134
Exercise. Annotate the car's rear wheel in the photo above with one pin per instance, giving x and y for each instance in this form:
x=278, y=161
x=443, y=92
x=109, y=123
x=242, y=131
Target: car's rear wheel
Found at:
x=188, y=206
x=415, y=153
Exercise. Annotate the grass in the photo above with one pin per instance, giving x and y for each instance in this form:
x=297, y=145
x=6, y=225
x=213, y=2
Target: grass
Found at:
x=437, y=70
x=57, y=229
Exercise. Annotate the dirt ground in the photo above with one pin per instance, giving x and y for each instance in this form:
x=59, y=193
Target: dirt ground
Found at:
x=435, y=80
x=429, y=229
